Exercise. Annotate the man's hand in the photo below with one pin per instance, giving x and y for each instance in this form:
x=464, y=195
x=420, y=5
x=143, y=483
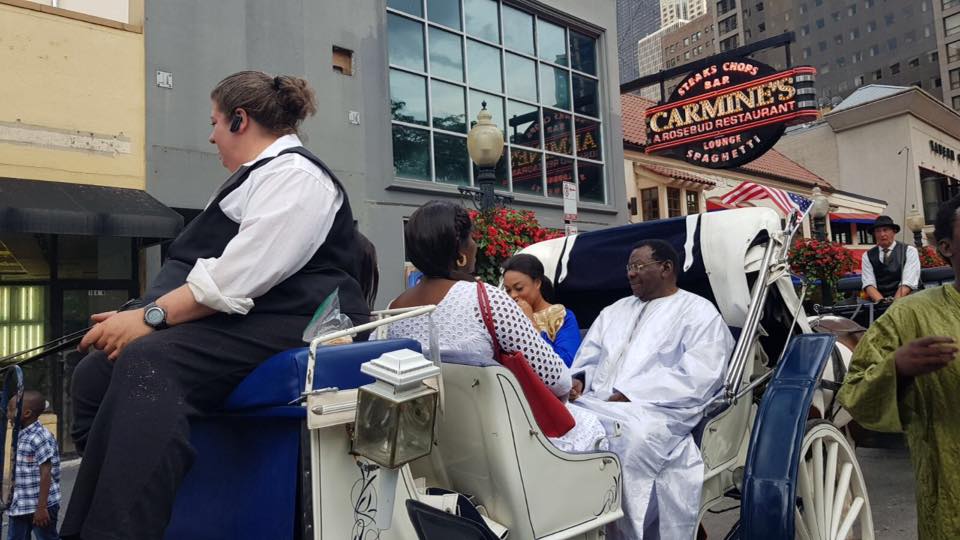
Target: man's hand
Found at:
x=617, y=396
x=115, y=333
x=924, y=355
x=41, y=518
x=576, y=390
x=100, y=317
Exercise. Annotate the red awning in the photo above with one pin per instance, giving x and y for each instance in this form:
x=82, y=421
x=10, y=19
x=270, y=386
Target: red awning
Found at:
x=840, y=217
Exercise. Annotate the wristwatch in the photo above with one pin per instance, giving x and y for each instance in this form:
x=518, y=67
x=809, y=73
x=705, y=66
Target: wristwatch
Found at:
x=155, y=316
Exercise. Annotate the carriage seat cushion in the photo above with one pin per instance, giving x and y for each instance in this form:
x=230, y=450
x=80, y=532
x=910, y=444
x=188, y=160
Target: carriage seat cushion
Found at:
x=281, y=378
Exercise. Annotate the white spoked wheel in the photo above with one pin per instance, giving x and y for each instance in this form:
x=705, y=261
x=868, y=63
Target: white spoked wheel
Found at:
x=832, y=502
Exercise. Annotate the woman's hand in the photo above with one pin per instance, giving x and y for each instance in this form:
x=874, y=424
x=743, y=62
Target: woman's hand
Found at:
x=526, y=307
x=115, y=332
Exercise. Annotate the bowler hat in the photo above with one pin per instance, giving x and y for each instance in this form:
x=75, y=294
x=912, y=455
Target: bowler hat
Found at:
x=885, y=221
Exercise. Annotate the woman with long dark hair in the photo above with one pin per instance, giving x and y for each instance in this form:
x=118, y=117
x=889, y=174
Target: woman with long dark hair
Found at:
x=240, y=284
x=525, y=282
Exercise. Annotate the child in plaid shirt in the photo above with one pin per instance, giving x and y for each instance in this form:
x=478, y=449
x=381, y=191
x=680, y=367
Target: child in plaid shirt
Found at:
x=36, y=478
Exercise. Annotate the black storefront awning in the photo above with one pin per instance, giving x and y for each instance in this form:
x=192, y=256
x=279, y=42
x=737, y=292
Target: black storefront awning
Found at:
x=34, y=206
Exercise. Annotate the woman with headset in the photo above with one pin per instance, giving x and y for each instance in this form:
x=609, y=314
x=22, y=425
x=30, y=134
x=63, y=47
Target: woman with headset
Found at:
x=240, y=284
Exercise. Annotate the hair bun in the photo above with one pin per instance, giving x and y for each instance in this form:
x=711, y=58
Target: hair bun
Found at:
x=296, y=97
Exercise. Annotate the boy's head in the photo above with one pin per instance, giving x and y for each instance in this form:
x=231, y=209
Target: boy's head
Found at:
x=33, y=406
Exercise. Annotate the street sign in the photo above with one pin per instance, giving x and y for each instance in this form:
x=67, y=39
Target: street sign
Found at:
x=570, y=229
x=569, y=201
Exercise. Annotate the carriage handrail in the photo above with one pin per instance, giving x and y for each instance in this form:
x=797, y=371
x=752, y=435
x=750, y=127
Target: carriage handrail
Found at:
x=398, y=315
x=757, y=298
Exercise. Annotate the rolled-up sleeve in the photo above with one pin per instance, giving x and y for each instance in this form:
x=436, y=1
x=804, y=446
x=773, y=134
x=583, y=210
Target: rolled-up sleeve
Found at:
x=286, y=218
x=867, y=279
x=911, y=269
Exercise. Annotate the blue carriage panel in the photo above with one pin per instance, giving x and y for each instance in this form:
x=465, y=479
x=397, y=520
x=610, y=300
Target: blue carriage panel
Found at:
x=770, y=475
x=245, y=479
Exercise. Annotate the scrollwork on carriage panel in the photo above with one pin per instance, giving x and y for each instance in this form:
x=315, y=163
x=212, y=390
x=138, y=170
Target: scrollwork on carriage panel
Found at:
x=363, y=499
x=611, y=498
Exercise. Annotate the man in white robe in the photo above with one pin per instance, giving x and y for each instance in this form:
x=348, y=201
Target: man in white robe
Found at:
x=650, y=364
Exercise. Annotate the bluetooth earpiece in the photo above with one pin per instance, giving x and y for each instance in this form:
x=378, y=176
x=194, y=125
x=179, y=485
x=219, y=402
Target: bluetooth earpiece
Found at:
x=235, y=123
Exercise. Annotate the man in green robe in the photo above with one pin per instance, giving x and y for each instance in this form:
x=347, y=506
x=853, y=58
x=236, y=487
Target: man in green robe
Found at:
x=903, y=378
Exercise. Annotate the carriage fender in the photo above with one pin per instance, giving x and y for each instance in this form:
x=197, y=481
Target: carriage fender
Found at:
x=770, y=475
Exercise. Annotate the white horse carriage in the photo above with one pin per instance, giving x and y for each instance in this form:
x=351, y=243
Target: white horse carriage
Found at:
x=372, y=440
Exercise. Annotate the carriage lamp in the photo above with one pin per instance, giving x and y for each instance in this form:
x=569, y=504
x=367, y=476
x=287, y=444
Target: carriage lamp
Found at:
x=915, y=223
x=396, y=413
x=485, y=146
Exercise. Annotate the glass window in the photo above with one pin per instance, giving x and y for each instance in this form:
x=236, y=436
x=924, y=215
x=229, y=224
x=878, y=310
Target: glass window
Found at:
x=954, y=79
x=951, y=24
x=557, y=132
x=484, y=65
x=888, y=19
x=446, y=55
x=406, y=42
x=864, y=236
x=892, y=43
x=955, y=102
x=521, y=77
x=585, y=96
x=822, y=45
x=895, y=68
x=408, y=97
x=444, y=12
x=555, y=83
x=411, y=153
x=526, y=169
x=524, y=124
x=835, y=16
x=518, y=30
x=871, y=26
x=559, y=170
x=451, y=158
x=413, y=7
x=590, y=182
x=650, y=203
x=588, y=139
x=693, y=202
x=950, y=4
x=448, y=107
x=552, y=42
x=22, y=317
x=583, y=53
x=481, y=18
x=804, y=30
x=852, y=10
x=841, y=232
x=953, y=51
x=673, y=202
x=914, y=62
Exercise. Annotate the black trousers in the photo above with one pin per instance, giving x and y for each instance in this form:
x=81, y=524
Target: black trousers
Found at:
x=130, y=417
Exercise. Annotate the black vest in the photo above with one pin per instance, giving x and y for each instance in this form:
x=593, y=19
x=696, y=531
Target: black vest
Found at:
x=336, y=262
x=889, y=273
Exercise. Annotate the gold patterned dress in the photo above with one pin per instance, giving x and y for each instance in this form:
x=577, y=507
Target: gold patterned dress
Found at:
x=560, y=329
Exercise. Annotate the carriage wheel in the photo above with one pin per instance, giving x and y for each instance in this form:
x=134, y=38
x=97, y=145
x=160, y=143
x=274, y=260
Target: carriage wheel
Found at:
x=832, y=502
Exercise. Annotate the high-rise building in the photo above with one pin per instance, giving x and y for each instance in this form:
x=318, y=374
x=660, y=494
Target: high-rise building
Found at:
x=674, y=10
x=690, y=42
x=650, y=56
x=947, y=24
x=636, y=19
x=852, y=43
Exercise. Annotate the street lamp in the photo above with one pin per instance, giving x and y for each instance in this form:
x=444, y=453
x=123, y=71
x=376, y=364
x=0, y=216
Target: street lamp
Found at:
x=395, y=418
x=485, y=145
x=915, y=223
x=819, y=211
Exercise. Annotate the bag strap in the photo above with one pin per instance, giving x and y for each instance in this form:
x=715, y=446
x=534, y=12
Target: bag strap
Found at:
x=487, y=314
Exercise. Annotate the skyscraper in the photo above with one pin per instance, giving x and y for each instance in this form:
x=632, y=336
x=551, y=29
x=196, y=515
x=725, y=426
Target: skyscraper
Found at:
x=636, y=19
x=673, y=10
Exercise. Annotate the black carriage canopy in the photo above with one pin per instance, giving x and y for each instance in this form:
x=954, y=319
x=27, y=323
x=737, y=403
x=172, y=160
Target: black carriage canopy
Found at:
x=596, y=270
x=35, y=206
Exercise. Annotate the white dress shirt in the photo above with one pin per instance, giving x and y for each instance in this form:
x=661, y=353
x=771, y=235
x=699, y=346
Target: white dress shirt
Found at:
x=285, y=210
x=911, y=268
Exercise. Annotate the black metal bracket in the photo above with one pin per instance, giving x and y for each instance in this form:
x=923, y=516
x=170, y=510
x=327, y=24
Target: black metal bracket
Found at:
x=476, y=196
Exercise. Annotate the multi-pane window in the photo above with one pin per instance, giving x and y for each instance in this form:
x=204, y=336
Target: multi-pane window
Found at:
x=840, y=232
x=539, y=80
x=727, y=25
x=21, y=317
x=673, y=202
x=950, y=4
x=953, y=51
x=650, y=203
x=954, y=79
x=951, y=25
x=693, y=202
x=864, y=236
x=955, y=102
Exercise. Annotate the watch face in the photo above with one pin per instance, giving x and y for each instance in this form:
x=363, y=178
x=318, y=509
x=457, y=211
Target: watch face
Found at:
x=154, y=316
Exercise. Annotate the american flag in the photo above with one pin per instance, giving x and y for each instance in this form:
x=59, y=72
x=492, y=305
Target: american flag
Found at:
x=786, y=201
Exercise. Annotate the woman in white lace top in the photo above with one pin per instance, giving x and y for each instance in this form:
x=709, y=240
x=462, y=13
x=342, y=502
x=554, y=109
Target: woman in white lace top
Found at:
x=439, y=244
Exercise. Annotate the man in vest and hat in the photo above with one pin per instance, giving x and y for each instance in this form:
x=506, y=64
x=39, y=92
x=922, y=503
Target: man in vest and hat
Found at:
x=890, y=270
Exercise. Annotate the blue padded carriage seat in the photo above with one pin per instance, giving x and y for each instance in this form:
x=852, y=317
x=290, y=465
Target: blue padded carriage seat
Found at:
x=245, y=482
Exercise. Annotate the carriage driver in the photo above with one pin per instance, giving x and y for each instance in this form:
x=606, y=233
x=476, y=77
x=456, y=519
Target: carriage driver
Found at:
x=648, y=366
x=890, y=270
x=239, y=284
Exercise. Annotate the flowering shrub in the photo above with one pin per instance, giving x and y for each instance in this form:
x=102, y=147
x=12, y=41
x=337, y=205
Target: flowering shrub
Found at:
x=929, y=258
x=820, y=260
x=501, y=233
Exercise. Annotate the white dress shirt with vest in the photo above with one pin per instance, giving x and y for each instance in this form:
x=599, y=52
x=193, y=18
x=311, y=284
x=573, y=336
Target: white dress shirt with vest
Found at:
x=908, y=269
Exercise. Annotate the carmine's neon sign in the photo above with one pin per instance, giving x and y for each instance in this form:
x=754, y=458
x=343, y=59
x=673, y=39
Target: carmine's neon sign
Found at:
x=730, y=113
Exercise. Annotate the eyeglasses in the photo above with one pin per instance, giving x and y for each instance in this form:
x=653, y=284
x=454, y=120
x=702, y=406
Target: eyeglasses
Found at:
x=636, y=267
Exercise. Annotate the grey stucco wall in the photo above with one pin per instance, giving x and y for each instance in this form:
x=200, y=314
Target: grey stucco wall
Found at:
x=201, y=42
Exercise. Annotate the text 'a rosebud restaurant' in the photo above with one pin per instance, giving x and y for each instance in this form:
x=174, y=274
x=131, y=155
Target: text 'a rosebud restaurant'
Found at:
x=708, y=145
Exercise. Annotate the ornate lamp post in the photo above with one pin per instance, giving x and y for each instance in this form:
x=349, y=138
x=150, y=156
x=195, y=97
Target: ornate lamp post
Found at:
x=819, y=211
x=915, y=223
x=485, y=145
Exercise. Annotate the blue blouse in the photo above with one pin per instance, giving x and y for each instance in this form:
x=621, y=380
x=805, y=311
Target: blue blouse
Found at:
x=567, y=339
